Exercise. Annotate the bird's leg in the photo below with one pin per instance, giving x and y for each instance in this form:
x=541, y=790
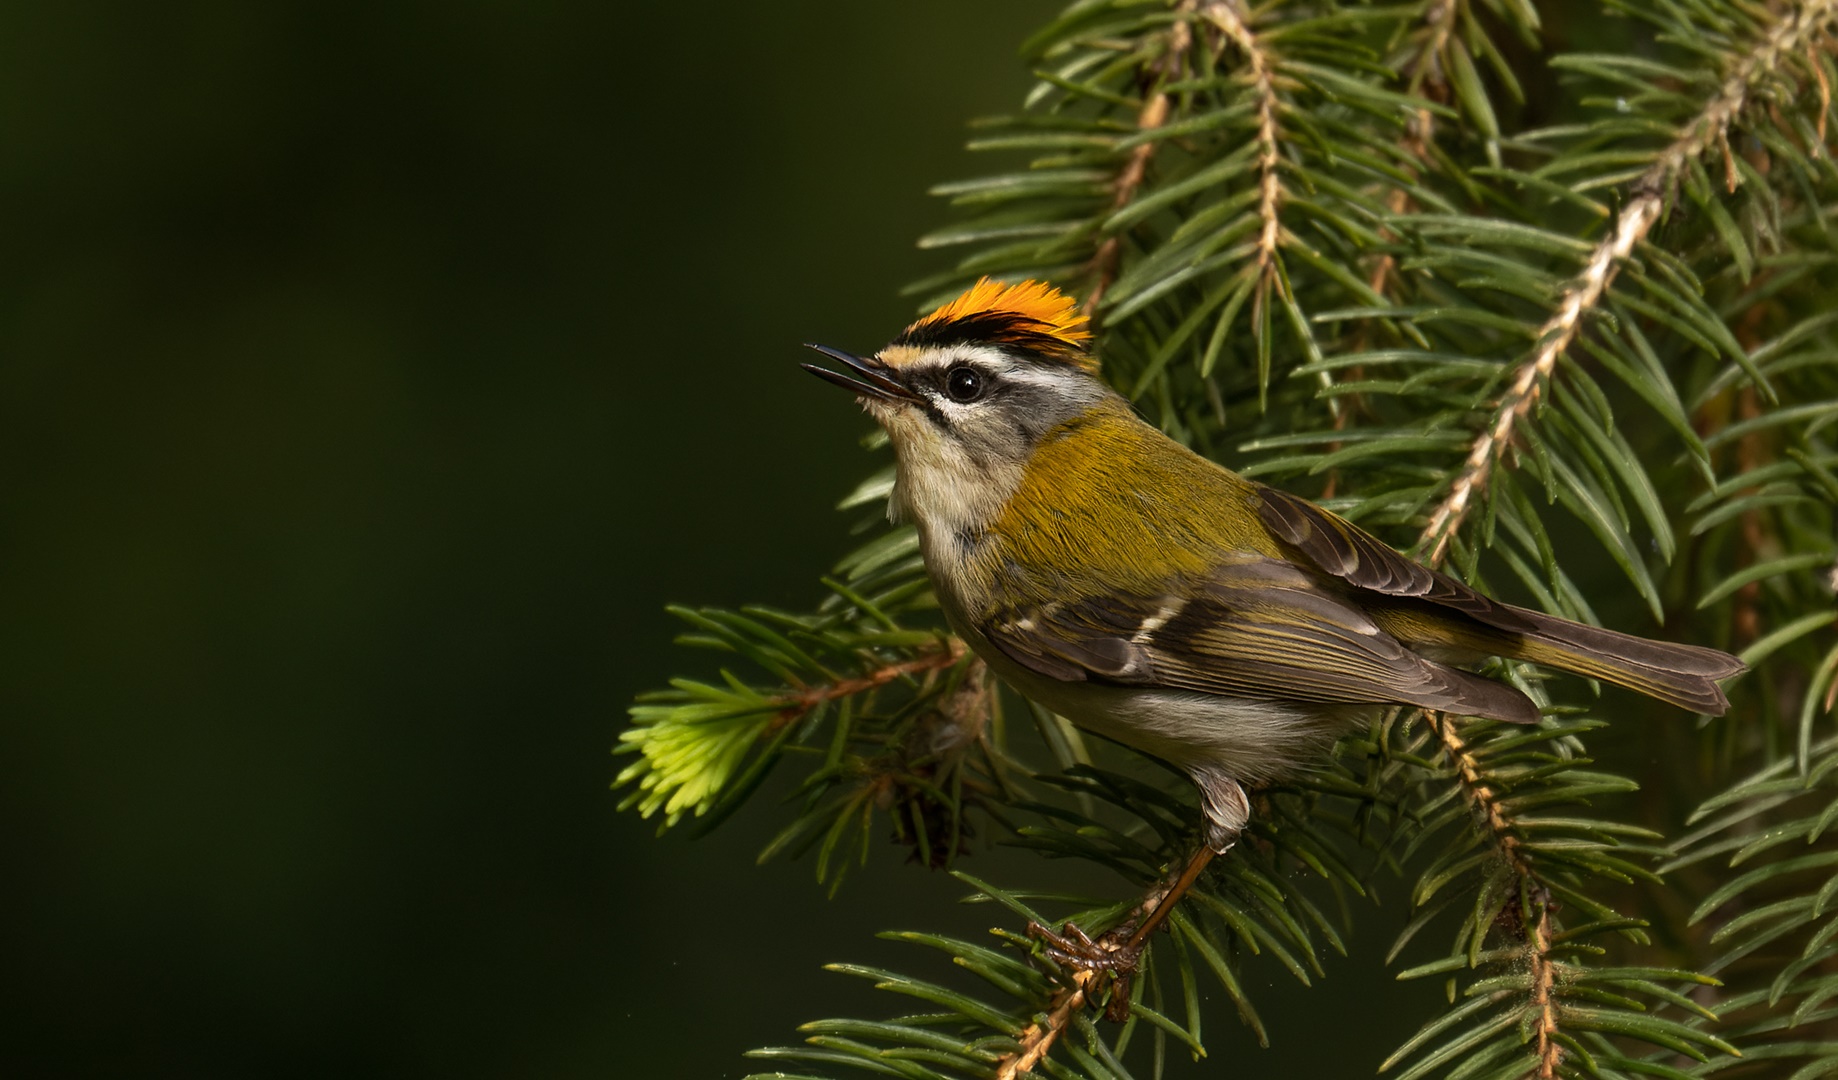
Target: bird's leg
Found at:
x=1164, y=905
x=1118, y=952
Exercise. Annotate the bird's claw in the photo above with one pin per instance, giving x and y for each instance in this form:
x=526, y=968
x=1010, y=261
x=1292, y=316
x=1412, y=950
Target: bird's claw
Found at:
x=1114, y=956
x=1072, y=947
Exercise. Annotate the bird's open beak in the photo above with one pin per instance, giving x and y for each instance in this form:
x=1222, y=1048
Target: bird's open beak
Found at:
x=875, y=381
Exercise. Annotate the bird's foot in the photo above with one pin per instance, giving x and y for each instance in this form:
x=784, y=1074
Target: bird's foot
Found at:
x=1114, y=956
x=1110, y=959
x=1111, y=951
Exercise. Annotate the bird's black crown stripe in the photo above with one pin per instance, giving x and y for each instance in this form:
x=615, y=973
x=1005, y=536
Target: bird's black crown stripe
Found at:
x=1000, y=328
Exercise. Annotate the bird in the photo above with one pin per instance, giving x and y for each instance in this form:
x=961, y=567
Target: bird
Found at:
x=1155, y=597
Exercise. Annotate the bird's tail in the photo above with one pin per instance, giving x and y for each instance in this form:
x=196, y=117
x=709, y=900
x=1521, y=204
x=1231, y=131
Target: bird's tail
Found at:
x=1684, y=675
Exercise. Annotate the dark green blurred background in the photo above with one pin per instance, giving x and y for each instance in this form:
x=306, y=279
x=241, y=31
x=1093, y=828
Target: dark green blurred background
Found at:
x=373, y=374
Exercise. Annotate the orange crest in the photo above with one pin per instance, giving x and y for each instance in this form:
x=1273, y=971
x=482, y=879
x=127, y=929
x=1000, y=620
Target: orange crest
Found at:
x=1031, y=310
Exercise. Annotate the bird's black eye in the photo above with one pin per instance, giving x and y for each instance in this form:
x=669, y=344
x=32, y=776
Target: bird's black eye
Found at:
x=964, y=384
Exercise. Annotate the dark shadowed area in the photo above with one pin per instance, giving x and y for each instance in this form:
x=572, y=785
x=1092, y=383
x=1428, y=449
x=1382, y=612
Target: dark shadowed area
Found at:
x=371, y=375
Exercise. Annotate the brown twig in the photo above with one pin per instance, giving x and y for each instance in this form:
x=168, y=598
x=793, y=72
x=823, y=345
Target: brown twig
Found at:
x=1425, y=79
x=1154, y=113
x=1652, y=192
x=1426, y=66
x=1537, y=937
x=1544, y=978
x=1419, y=132
x=1037, y=1038
x=1825, y=90
x=1751, y=452
x=1225, y=16
x=797, y=703
x=1480, y=794
x=1527, y=386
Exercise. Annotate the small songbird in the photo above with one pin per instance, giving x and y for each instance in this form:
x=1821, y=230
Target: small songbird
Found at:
x=1147, y=594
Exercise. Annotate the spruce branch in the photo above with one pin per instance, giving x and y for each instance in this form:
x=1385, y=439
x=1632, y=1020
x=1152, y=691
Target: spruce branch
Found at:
x=1177, y=39
x=1536, y=1002
x=701, y=748
x=1502, y=327
x=1535, y=934
x=1655, y=189
x=1555, y=336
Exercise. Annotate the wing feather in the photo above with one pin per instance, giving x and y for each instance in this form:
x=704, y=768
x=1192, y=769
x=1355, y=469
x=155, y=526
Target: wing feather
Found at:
x=1256, y=628
x=1338, y=547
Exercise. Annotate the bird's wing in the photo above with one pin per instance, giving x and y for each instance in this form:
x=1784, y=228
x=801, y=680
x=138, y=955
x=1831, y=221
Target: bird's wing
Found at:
x=1338, y=547
x=1253, y=628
